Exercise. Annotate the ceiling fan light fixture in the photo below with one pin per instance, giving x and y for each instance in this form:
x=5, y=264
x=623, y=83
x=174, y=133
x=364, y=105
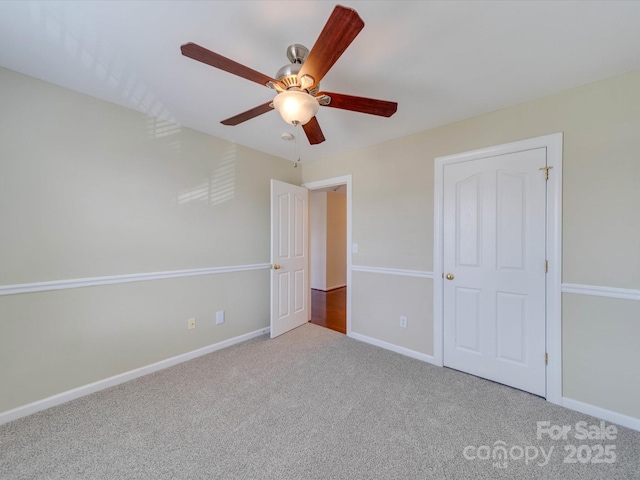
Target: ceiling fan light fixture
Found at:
x=298, y=83
x=296, y=107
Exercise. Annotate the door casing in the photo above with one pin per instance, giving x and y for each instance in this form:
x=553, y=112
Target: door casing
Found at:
x=553, y=145
x=332, y=182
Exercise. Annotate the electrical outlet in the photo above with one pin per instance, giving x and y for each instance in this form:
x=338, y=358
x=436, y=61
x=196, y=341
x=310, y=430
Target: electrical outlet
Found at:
x=403, y=322
x=220, y=317
x=191, y=323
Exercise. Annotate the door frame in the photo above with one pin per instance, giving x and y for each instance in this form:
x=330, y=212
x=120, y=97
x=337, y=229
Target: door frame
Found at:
x=553, y=145
x=334, y=182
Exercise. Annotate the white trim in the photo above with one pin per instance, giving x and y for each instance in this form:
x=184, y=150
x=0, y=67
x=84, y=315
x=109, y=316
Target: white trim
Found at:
x=596, y=291
x=333, y=287
x=90, y=388
x=554, y=257
x=603, y=413
x=553, y=144
x=438, y=263
x=394, y=348
x=131, y=277
x=333, y=182
x=393, y=271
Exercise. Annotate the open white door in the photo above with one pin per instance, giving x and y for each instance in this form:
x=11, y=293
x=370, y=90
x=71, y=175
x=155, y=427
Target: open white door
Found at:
x=289, y=257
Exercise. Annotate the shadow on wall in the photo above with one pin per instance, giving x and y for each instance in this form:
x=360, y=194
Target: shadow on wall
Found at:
x=102, y=62
x=219, y=186
x=165, y=131
x=73, y=40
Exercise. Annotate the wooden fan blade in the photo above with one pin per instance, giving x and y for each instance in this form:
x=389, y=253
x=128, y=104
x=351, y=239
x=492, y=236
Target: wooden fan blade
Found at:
x=371, y=106
x=313, y=131
x=343, y=26
x=203, y=55
x=248, y=115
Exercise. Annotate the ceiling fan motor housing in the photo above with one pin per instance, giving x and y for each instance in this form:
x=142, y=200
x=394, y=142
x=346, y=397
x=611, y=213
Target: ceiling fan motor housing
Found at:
x=297, y=53
x=288, y=75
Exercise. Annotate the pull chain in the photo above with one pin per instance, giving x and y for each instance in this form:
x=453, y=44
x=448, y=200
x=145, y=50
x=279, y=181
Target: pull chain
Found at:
x=297, y=146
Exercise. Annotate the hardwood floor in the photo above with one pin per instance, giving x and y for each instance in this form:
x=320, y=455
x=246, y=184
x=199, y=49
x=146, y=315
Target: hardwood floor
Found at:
x=329, y=309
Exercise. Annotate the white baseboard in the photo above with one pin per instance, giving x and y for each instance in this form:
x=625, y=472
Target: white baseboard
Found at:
x=64, y=397
x=588, y=409
x=394, y=348
x=598, y=412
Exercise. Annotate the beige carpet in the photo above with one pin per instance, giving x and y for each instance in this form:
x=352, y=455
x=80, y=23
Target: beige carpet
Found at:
x=312, y=404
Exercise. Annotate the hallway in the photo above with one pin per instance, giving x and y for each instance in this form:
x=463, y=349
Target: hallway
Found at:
x=329, y=309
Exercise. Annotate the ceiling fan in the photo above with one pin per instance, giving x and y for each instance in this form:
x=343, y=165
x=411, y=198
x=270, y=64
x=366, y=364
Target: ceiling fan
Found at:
x=297, y=84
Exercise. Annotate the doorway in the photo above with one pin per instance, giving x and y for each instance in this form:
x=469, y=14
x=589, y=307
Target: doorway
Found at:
x=494, y=257
x=328, y=256
x=330, y=253
x=329, y=308
x=484, y=328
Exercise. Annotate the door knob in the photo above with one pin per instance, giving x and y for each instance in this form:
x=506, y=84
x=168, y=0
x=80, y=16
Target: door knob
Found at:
x=276, y=266
x=449, y=276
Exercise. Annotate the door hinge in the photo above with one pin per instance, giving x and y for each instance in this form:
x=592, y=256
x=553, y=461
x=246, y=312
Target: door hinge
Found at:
x=546, y=358
x=546, y=266
x=546, y=172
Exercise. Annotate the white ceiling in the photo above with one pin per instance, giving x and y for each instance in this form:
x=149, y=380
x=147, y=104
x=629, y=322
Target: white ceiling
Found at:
x=442, y=61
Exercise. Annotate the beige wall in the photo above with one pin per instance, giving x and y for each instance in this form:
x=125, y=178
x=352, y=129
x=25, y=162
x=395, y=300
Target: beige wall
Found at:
x=336, y=240
x=318, y=225
x=601, y=357
x=87, y=189
x=55, y=341
x=328, y=220
x=393, y=226
x=385, y=298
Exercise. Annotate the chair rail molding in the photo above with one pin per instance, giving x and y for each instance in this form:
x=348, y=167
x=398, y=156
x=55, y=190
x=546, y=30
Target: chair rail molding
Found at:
x=127, y=278
x=393, y=271
x=598, y=291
